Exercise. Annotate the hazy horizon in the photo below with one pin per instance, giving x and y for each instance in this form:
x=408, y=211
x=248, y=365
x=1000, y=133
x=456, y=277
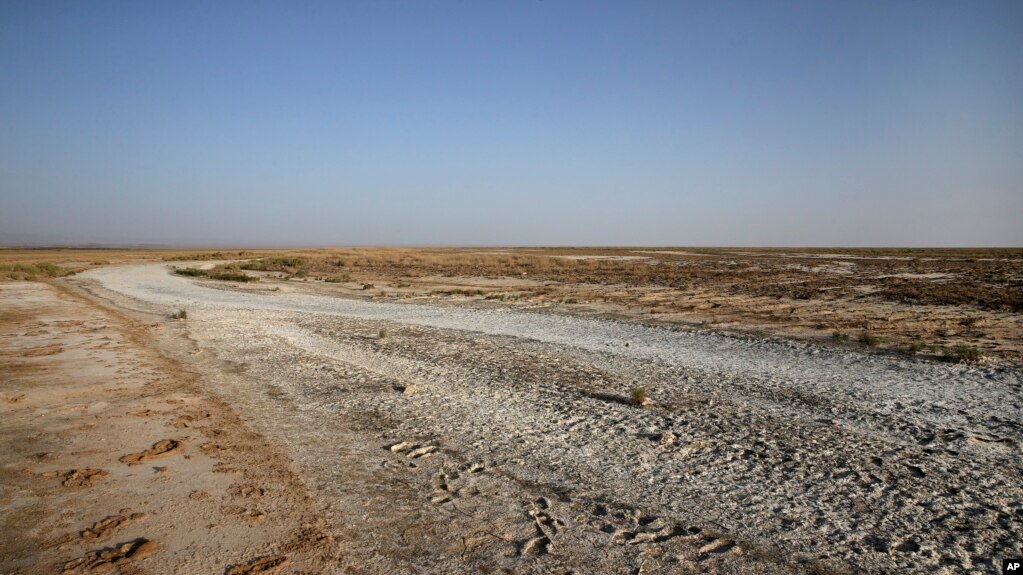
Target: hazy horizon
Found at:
x=512, y=124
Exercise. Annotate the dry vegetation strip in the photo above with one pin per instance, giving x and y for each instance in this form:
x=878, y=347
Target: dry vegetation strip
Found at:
x=949, y=304
x=957, y=303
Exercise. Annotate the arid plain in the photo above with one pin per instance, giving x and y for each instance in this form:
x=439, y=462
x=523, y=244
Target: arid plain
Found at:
x=625, y=410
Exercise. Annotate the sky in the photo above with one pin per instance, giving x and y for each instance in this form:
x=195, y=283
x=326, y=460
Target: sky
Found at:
x=762, y=123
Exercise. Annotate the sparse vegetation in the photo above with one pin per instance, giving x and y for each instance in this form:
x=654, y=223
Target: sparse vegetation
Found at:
x=382, y=334
x=839, y=335
x=180, y=314
x=946, y=297
x=638, y=396
x=916, y=346
x=232, y=277
x=198, y=256
x=870, y=339
x=275, y=264
x=214, y=275
x=964, y=354
x=32, y=271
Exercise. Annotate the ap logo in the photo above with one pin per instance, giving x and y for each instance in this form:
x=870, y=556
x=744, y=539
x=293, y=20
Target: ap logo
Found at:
x=1014, y=566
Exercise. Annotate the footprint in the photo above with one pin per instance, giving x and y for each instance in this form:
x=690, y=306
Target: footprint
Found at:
x=164, y=448
x=916, y=471
x=442, y=492
x=246, y=491
x=989, y=439
x=109, y=524
x=402, y=447
x=413, y=450
x=719, y=545
x=110, y=558
x=424, y=451
x=244, y=512
x=267, y=564
x=536, y=546
x=82, y=477
x=546, y=525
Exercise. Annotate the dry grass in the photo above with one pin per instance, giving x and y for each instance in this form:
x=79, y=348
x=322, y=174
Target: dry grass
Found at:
x=988, y=279
x=911, y=300
x=902, y=299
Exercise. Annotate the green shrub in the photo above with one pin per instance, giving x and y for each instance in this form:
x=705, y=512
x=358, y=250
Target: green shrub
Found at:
x=964, y=354
x=222, y=276
x=233, y=277
x=639, y=396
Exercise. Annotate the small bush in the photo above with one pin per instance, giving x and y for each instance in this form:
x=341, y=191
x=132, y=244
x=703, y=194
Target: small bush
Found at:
x=233, y=277
x=916, y=346
x=382, y=334
x=964, y=354
x=870, y=339
x=180, y=314
x=639, y=396
x=222, y=276
x=839, y=335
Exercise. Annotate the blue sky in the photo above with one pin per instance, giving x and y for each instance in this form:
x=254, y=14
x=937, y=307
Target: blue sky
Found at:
x=512, y=123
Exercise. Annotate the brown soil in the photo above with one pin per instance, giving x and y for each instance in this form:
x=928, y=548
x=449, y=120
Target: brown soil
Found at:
x=101, y=391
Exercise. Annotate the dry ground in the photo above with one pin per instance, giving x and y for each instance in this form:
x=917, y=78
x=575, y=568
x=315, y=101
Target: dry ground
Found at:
x=457, y=436
x=111, y=458
x=931, y=303
x=449, y=434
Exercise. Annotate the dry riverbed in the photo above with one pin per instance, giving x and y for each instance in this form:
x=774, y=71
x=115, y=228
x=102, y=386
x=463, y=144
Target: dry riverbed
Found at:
x=462, y=439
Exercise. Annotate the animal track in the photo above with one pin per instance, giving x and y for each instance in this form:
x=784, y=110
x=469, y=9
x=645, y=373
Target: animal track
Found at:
x=638, y=529
x=267, y=564
x=82, y=477
x=107, y=559
x=442, y=492
x=160, y=449
x=717, y=545
x=546, y=526
x=246, y=491
x=109, y=524
x=413, y=450
x=244, y=512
